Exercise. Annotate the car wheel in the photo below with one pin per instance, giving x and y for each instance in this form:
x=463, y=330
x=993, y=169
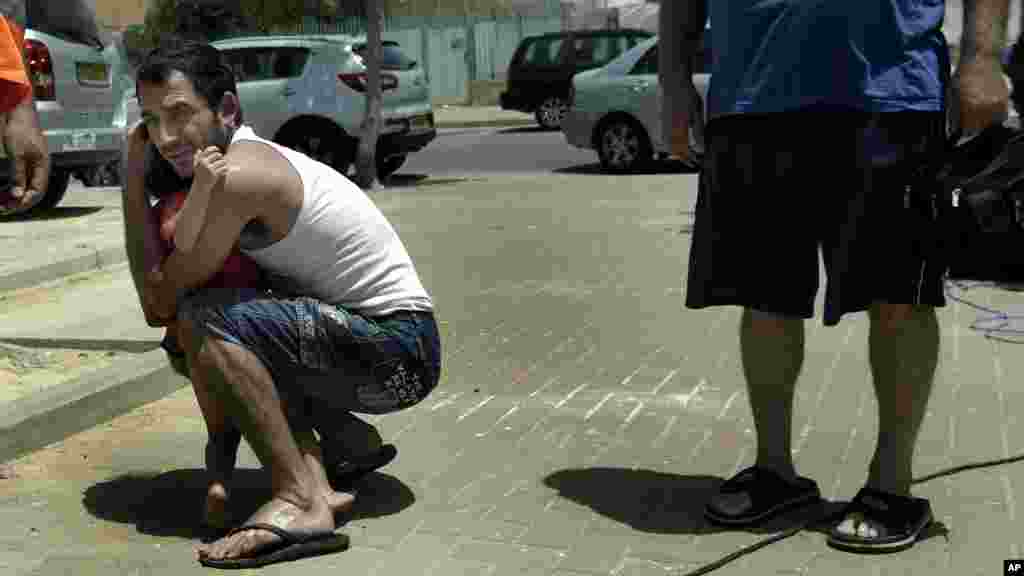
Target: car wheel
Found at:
x=321, y=141
x=388, y=166
x=56, y=188
x=623, y=145
x=551, y=112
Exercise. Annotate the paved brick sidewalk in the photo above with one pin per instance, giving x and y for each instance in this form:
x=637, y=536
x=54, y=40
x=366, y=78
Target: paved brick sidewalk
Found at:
x=583, y=419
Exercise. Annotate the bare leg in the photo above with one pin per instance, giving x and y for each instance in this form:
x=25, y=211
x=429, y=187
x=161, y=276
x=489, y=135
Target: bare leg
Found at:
x=772, y=348
x=239, y=379
x=904, y=352
x=222, y=443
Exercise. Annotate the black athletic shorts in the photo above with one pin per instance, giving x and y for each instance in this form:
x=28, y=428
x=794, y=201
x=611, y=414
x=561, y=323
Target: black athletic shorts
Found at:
x=778, y=189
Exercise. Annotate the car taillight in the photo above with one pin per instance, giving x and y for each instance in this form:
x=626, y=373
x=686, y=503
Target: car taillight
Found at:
x=40, y=70
x=357, y=81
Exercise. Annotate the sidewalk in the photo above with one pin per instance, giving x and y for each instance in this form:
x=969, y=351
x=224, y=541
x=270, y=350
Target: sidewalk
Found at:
x=582, y=420
x=450, y=116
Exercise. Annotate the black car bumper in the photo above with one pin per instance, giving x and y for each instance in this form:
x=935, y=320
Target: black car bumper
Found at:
x=514, y=101
x=406, y=142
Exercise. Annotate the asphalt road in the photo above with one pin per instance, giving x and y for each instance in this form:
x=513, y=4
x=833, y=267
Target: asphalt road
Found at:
x=506, y=150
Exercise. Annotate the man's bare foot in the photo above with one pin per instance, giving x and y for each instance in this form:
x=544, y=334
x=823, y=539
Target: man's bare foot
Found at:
x=215, y=513
x=318, y=519
x=340, y=502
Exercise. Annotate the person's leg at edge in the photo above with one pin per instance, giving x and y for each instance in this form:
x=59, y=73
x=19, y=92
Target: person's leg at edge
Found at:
x=245, y=387
x=904, y=352
x=772, y=351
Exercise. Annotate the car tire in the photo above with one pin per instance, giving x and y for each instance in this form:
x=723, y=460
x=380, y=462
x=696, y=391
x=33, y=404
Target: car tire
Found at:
x=551, y=112
x=388, y=166
x=320, y=140
x=623, y=145
x=56, y=188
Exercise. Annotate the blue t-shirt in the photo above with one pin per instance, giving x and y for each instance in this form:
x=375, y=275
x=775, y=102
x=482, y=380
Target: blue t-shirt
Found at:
x=873, y=55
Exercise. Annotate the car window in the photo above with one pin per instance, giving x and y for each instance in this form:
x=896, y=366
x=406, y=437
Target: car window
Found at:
x=593, y=51
x=254, y=64
x=392, y=57
x=648, y=63
x=543, y=52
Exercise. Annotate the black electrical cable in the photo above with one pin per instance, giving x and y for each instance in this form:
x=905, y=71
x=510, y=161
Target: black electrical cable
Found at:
x=1003, y=326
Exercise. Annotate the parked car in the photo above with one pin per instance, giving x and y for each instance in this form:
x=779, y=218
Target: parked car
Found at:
x=308, y=93
x=616, y=110
x=77, y=89
x=540, y=73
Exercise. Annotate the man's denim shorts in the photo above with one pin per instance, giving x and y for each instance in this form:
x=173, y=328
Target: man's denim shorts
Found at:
x=372, y=365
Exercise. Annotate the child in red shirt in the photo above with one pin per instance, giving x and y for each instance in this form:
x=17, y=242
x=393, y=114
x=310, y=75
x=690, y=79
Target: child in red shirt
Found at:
x=181, y=216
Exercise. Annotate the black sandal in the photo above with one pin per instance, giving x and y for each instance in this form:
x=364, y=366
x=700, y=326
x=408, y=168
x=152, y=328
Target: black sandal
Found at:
x=344, y=474
x=768, y=493
x=900, y=520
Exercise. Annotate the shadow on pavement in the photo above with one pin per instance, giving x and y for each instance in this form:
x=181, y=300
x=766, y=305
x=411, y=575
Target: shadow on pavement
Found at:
x=416, y=180
x=58, y=213
x=656, y=167
x=132, y=346
x=527, y=130
x=659, y=502
x=169, y=504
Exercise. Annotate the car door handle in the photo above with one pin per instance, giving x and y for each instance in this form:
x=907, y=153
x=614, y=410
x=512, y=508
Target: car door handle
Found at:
x=288, y=92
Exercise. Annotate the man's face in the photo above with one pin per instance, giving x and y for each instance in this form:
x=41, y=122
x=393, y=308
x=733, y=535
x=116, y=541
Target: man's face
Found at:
x=179, y=121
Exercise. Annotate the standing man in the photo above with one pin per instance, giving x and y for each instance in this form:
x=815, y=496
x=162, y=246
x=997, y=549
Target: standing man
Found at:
x=819, y=113
x=348, y=327
x=23, y=140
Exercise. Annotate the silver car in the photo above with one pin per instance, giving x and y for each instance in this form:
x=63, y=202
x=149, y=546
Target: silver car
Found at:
x=308, y=93
x=615, y=110
x=77, y=88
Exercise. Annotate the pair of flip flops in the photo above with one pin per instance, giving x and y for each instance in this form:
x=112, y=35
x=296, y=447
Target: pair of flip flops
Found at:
x=874, y=521
x=291, y=546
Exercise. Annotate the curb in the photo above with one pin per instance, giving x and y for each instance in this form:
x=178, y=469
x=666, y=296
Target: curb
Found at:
x=57, y=270
x=511, y=123
x=38, y=420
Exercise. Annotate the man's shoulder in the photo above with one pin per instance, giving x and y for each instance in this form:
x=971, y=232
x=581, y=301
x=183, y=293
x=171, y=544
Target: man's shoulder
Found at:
x=260, y=177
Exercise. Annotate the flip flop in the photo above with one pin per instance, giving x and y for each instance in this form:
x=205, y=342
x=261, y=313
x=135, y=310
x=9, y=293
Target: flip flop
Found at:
x=766, y=492
x=902, y=519
x=347, y=472
x=289, y=547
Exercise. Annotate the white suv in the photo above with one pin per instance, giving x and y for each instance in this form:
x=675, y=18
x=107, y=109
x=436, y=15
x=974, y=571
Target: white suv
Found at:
x=308, y=93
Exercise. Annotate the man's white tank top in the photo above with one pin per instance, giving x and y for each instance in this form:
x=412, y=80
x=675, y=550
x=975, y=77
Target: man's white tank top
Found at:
x=340, y=249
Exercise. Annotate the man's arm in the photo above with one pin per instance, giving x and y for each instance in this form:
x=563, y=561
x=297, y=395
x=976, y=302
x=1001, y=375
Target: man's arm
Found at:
x=142, y=233
x=680, y=29
x=983, y=94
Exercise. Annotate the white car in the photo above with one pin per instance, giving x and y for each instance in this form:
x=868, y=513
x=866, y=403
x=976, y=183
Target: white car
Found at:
x=309, y=93
x=615, y=110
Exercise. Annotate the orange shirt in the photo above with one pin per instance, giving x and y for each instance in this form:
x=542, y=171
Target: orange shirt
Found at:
x=14, y=82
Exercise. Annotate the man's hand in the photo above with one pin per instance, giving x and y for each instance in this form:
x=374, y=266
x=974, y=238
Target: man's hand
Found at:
x=135, y=150
x=26, y=146
x=159, y=299
x=981, y=92
x=209, y=166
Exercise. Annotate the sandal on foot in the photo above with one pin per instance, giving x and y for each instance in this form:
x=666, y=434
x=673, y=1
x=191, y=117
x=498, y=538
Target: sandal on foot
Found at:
x=347, y=472
x=756, y=494
x=877, y=521
x=289, y=547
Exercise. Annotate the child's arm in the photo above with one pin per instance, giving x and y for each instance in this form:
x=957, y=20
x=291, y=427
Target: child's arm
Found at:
x=210, y=169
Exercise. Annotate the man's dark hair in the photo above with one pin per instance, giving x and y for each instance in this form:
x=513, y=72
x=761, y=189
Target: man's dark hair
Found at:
x=203, y=65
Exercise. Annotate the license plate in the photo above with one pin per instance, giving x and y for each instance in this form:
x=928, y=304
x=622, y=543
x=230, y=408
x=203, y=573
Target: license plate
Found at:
x=93, y=74
x=81, y=141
